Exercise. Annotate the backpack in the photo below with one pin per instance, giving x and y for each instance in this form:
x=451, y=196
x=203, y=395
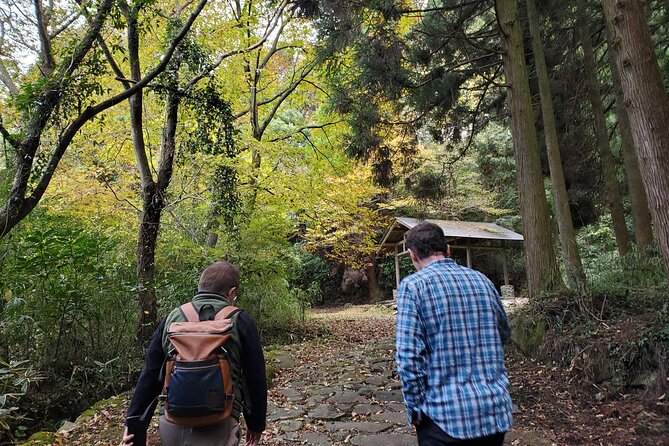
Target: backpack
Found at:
x=198, y=389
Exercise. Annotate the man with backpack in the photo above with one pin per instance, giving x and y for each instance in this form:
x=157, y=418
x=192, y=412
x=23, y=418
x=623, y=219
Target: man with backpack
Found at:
x=205, y=363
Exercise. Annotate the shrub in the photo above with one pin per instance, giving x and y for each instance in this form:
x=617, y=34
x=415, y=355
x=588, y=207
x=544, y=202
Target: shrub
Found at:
x=15, y=380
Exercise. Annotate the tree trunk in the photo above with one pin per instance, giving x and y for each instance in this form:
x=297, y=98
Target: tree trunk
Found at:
x=572, y=258
x=373, y=290
x=146, y=266
x=643, y=229
x=154, y=204
x=647, y=107
x=613, y=196
x=542, y=270
x=150, y=218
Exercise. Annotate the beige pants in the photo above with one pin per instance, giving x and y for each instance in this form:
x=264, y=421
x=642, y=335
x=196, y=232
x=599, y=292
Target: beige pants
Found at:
x=226, y=433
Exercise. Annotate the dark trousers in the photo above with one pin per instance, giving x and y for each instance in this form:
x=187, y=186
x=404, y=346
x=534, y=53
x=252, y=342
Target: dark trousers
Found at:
x=429, y=434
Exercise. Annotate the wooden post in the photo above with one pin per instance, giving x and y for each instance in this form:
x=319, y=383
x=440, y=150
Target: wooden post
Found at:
x=469, y=254
x=397, y=267
x=505, y=267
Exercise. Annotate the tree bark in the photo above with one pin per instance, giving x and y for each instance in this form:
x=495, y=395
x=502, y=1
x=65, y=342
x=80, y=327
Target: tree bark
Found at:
x=572, y=258
x=373, y=289
x=647, y=107
x=613, y=196
x=542, y=270
x=643, y=228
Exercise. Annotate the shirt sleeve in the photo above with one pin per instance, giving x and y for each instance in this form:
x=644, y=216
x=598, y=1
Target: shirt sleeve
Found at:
x=253, y=368
x=502, y=320
x=411, y=349
x=150, y=382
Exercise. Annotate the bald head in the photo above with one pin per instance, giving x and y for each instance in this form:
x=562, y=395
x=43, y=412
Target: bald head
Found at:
x=219, y=278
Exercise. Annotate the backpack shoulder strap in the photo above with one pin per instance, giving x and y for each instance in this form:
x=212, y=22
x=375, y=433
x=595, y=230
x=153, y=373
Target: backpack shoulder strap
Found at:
x=227, y=312
x=189, y=312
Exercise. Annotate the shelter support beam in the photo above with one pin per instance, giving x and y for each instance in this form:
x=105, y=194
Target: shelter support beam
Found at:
x=397, y=267
x=505, y=266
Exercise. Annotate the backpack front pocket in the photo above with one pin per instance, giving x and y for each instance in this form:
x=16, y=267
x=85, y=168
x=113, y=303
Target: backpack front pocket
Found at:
x=196, y=389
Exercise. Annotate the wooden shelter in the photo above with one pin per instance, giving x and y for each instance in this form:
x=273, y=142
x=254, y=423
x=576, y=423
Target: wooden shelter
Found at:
x=459, y=235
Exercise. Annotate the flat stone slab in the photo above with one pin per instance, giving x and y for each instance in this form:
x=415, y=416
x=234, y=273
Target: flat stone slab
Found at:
x=346, y=398
x=290, y=425
x=376, y=380
x=285, y=414
x=359, y=426
x=291, y=393
x=316, y=439
x=366, y=409
x=394, y=396
x=325, y=412
x=284, y=361
x=397, y=407
x=399, y=418
x=385, y=440
x=315, y=399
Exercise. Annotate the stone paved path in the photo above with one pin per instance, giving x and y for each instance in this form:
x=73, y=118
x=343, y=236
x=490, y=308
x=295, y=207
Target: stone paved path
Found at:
x=345, y=391
x=345, y=397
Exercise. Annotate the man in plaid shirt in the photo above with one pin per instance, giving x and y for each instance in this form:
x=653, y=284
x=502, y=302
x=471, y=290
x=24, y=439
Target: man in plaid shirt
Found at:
x=450, y=330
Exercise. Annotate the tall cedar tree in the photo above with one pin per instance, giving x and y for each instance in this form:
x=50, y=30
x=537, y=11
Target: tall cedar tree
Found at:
x=541, y=263
x=573, y=265
x=647, y=106
x=611, y=186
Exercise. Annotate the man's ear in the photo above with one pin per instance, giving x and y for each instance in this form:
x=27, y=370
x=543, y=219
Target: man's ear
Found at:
x=232, y=293
x=412, y=255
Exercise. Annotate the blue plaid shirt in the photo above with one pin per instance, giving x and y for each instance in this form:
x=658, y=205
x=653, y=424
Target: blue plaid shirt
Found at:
x=450, y=329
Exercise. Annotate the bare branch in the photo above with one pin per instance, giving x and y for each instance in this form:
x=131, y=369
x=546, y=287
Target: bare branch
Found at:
x=121, y=199
x=48, y=64
x=224, y=56
x=7, y=79
x=8, y=136
x=287, y=93
x=66, y=24
x=303, y=128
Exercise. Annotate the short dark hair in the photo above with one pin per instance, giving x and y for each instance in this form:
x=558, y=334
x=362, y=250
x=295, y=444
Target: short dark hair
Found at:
x=218, y=278
x=426, y=239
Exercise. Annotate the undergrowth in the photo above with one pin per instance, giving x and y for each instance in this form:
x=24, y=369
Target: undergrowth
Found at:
x=616, y=337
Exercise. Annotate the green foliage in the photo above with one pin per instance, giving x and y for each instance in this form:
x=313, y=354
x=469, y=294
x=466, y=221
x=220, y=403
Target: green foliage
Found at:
x=635, y=282
x=67, y=312
x=387, y=279
x=74, y=312
x=16, y=378
x=631, y=283
x=266, y=260
x=316, y=278
x=214, y=135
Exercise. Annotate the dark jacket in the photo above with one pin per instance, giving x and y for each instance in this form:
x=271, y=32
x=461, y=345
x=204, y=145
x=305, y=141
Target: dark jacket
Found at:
x=150, y=382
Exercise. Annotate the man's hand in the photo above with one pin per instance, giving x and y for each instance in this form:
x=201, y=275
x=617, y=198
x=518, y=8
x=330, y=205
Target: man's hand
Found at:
x=252, y=438
x=127, y=439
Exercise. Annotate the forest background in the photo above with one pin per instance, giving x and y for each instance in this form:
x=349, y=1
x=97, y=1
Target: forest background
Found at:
x=142, y=140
